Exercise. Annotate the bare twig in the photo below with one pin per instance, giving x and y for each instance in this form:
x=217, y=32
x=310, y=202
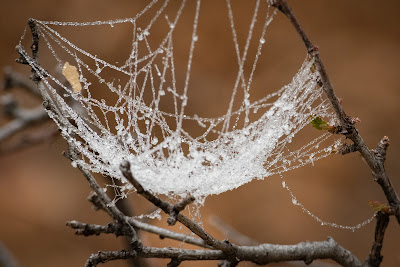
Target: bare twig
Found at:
x=164, y=233
x=225, y=246
x=14, y=79
x=229, y=253
x=227, y=263
x=375, y=257
x=175, y=262
x=95, y=229
x=380, y=151
x=261, y=254
x=45, y=133
x=109, y=206
x=178, y=207
x=112, y=228
x=347, y=123
x=105, y=256
x=302, y=251
x=346, y=149
x=97, y=203
x=125, y=206
x=22, y=118
x=25, y=119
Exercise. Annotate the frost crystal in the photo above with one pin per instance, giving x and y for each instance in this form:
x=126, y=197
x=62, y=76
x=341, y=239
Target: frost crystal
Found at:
x=144, y=117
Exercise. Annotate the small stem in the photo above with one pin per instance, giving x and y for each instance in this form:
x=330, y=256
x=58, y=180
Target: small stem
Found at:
x=347, y=123
x=375, y=257
x=168, y=208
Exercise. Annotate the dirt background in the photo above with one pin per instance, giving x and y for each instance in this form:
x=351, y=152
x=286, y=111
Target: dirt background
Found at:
x=359, y=42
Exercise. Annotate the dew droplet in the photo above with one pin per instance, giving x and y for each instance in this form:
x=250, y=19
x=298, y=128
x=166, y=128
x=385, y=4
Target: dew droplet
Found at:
x=154, y=141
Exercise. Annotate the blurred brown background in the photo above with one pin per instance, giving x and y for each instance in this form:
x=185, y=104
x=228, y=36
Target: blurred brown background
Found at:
x=359, y=42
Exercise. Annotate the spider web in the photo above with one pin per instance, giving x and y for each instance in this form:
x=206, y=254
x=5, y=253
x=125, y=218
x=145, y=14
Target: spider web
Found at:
x=145, y=117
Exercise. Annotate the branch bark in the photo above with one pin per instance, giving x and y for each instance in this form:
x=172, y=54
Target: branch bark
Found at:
x=110, y=207
x=224, y=246
x=94, y=229
x=375, y=258
x=261, y=254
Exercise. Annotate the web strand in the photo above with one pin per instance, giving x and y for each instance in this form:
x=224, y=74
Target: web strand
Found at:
x=318, y=219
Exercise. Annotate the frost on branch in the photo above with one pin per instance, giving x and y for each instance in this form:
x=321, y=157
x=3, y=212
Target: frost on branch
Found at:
x=144, y=118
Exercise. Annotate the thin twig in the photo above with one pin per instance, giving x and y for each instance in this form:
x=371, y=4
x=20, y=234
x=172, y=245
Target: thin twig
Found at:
x=105, y=256
x=95, y=229
x=223, y=250
x=45, y=133
x=380, y=151
x=375, y=159
x=347, y=123
x=375, y=257
x=164, y=233
x=25, y=119
x=22, y=118
x=261, y=254
x=114, y=228
x=125, y=206
x=178, y=207
x=346, y=149
x=110, y=207
x=13, y=79
x=225, y=246
x=97, y=203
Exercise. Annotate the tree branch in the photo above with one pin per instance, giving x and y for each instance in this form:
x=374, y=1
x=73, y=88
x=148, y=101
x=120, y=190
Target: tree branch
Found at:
x=105, y=256
x=24, y=119
x=114, y=228
x=261, y=254
x=95, y=229
x=346, y=149
x=222, y=250
x=14, y=79
x=347, y=123
x=109, y=206
x=163, y=233
x=375, y=257
x=225, y=246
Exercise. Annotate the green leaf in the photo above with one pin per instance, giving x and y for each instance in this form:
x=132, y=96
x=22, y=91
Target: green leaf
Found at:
x=320, y=124
x=378, y=206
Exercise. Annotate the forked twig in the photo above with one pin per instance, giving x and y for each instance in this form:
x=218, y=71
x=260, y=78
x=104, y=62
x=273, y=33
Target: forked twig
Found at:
x=347, y=123
x=225, y=246
x=230, y=253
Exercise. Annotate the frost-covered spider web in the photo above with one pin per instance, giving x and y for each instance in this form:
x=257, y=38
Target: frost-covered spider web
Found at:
x=139, y=110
